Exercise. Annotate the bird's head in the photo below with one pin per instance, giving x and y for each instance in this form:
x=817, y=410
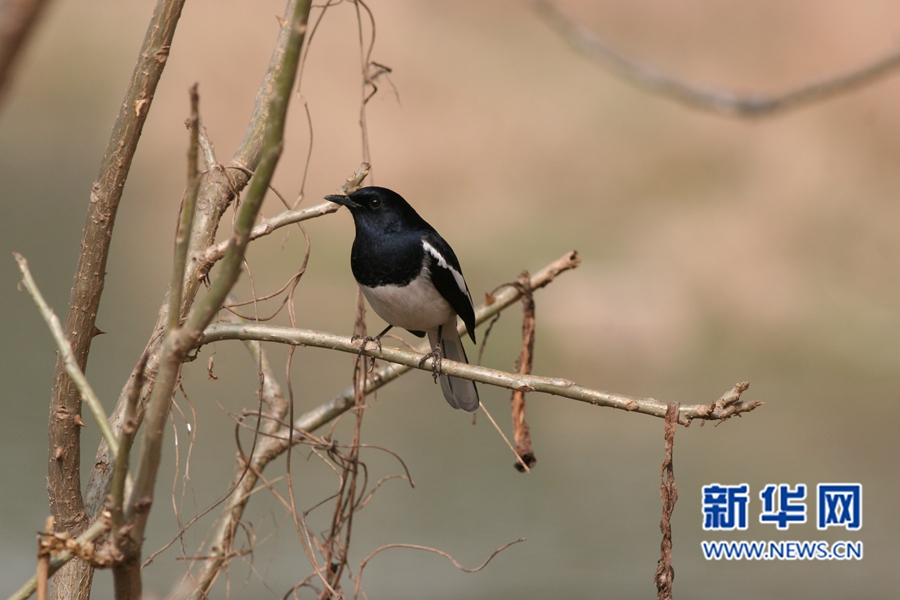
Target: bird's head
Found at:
x=379, y=208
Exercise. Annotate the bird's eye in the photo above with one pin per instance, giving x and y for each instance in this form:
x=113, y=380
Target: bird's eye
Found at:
x=375, y=202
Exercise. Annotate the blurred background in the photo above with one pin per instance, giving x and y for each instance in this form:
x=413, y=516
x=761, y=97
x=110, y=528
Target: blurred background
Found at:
x=715, y=250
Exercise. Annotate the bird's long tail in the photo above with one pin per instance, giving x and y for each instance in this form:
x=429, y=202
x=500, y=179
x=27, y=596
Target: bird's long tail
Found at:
x=460, y=393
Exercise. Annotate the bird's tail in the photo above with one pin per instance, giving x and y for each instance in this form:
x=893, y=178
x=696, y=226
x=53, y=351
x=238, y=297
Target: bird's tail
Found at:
x=460, y=393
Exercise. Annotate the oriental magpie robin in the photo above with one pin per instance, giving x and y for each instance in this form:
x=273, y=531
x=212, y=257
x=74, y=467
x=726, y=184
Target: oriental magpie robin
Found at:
x=412, y=279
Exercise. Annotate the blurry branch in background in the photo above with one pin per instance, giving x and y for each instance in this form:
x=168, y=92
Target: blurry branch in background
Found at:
x=704, y=97
x=365, y=561
x=64, y=472
x=17, y=20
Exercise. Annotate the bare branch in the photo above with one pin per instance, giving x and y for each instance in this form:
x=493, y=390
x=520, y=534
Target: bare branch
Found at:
x=17, y=21
x=66, y=355
x=220, y=186
x=704, y=97
x=366, y=560
x=188, y=206
x=513, y=381
x=64, y=475
x=178, y=342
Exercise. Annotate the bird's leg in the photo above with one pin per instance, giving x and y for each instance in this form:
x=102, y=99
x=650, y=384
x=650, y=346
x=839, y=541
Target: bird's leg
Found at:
x=367, y=338
x=436, y=354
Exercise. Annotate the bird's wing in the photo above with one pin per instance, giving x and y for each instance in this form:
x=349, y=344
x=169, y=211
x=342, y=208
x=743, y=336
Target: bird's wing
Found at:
x=447, y=277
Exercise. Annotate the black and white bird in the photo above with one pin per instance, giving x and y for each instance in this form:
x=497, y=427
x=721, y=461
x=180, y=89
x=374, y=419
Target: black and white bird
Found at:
x=412, y=279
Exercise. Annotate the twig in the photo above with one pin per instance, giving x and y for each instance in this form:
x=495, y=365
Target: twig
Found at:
x=366, y=560
x=64, y=475
x=513, y=381
x=220, y=186
x=126, y=439
x=215, y=253
x=520, y=464
x=704, y=97
x=521, y=431
x=67, y=356
x=668, y=491
x=178, y=343
x=43, y=567
x=96, y=529
x=17, y=21
x=186, y=220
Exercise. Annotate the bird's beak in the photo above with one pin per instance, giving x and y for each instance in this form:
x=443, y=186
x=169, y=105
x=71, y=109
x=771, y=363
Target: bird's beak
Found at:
x=342, y=200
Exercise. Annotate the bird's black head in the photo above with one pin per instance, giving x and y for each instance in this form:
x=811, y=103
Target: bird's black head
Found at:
x=380, y=209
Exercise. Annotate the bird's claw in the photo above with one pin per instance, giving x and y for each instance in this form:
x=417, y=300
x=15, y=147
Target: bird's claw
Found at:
x=365, y=340
x=437, y=356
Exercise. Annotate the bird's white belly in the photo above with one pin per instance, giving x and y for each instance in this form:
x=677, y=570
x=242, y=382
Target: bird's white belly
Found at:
x=417, y=306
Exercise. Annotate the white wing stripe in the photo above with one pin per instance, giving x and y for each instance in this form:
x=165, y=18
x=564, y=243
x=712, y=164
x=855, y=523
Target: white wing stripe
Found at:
x=443, y=263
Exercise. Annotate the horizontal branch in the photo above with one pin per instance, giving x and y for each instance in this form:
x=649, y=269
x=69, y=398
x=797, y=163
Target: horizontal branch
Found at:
x=513, y=381
x=726, y=102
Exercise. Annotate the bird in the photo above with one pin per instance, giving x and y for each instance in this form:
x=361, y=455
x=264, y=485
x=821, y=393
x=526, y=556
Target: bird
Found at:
x=412, y=279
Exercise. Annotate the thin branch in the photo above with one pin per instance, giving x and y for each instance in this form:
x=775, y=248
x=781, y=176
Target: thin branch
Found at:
x=17, y=20
x=67, y=356
x=668, y=492
x=704, y=97
x=456, y=564
x=513, y=381
x=188, y=206
x=126, y=439
x=221, y=185
x=179, y=342
x=64, y=476
x=97, y=528
x=215, y=253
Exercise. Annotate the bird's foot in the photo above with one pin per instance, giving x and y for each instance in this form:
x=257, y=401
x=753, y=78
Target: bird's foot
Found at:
x=437, y=356
x=365, y=340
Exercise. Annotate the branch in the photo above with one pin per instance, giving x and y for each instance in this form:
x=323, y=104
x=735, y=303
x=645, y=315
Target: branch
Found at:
x=64, y=475
x=17, y=21
x=188, y=206
x=178, y=342
x=700, y=96
x=67, y=357
x=512, y=381
x=215, y=253
x=218, y=188
x=97, y=528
